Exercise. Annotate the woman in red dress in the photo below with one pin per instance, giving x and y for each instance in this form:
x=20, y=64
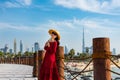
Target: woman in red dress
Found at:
x=48, y=70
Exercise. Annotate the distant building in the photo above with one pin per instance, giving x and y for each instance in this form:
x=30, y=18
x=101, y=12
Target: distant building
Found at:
x=21, y=46
x=5, y=48
x=114, y=51
x=10, y=50
x=32, y=49
x=83, y=42
x=27, y=49
x=2, y=49
x=36, y=46
x=86, y=50
x=66, y=50
x=15, y=46
x=89, y=50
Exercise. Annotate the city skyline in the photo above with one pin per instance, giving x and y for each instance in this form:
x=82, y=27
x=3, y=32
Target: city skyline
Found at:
x=18, y=46
x=36, y=47
x=30, y=20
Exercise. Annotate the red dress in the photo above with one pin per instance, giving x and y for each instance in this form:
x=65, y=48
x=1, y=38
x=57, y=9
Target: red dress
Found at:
x=48, y=70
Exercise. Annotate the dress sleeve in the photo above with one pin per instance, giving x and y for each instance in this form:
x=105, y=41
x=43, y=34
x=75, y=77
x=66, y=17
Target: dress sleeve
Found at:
x=46, y=47
x=53, y=47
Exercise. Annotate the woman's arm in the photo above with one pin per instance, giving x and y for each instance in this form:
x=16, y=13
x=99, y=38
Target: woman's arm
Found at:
x=47, y=45
x=53, y=47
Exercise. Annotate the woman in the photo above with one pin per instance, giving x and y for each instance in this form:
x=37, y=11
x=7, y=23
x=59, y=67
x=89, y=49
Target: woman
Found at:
x=48, y=70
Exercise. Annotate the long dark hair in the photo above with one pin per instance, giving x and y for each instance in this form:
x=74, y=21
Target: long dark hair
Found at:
x=58, y=43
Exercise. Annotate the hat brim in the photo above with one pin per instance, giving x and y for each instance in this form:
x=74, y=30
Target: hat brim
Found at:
x=52, y=30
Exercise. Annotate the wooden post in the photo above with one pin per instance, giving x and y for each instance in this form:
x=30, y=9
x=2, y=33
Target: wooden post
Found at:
x=60, y=61
x=32, y=61
x=101, y=49
x=29, y=60
x=41, y=57
x=24, y=60
x=35, y=67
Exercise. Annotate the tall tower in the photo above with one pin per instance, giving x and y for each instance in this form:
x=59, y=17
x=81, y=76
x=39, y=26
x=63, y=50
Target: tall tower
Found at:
x=114, y=51
x=15, y=46
x=83, y=42
x=21, y=46
x=32, y=50
x=10, y=50
x=36, y=46
x=5, y=49
x=66, y=50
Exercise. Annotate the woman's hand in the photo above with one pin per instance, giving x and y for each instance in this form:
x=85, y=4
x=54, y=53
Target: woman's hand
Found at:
x=44, y=51
x=47, y=44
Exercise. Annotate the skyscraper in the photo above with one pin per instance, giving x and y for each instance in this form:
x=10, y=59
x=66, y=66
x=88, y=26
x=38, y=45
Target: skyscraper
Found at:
x=5, y=48
x=91, y=49
x=114, y=51
x=36, y=46
x=32, y=50
x=10, y=50
x=66, y=50
x=27, y=50
x=15, y=46
x=83, y=42
x=21, y=46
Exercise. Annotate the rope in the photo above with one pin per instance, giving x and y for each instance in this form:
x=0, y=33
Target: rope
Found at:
x=68, y=70
x=59, y=58
x=71, y=72
x=81, y=58
x=76, y=72
x=64, y=68
x=113, y=71
x=118, y=56
x=114, y=63
x=82, y=70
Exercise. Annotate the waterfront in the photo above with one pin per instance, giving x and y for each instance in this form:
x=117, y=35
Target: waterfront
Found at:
x=88, y=75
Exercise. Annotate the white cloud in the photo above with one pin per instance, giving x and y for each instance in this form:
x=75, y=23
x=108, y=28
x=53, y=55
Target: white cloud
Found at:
x=91, y=24
x=100, y=25
x=22, y=4
x=28, y=2
x=97, y=6
x=16, y=3
x=10, y=4
x=13, y=26
x=61, y=24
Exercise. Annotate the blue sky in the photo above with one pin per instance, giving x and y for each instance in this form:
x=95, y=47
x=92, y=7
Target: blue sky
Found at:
x=30, y=20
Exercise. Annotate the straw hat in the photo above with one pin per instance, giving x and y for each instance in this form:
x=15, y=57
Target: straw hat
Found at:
x=55, y=31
